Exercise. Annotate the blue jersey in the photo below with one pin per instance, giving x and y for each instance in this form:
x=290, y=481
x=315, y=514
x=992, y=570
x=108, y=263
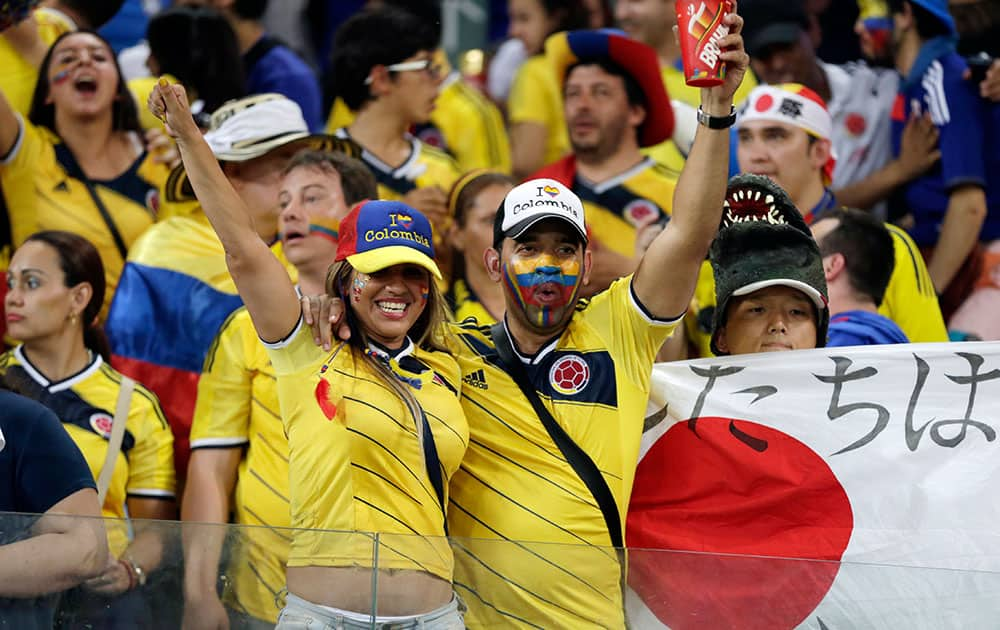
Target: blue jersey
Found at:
x=969, y=128
x=39, y=467
x=861, y=328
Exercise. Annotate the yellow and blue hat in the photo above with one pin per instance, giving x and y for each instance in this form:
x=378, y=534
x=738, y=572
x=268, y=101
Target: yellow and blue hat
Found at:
x=634, y=57
x=379, y=234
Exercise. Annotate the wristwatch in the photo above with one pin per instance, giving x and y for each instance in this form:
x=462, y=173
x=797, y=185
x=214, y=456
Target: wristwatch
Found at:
x=717, y=122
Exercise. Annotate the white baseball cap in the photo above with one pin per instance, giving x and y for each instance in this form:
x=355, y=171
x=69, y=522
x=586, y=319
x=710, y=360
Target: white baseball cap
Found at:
x=536, y=200
x=247, y=128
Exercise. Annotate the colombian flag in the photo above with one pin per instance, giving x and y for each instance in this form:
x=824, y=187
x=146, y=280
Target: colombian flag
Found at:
x=173, y=297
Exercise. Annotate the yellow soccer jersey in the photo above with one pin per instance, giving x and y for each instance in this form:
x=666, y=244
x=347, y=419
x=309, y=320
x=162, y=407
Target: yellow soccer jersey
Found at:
x=85, y=403
x=425, y=167
x=471, y=126
x=237, y=407
x=909, y=299
x=363, y=469
x=535, y=97
x=465, y=304
x=18, y=78
x=617, y=207
x=467, y=125
x=667, y=154
x=44, y=189
x=514, y=485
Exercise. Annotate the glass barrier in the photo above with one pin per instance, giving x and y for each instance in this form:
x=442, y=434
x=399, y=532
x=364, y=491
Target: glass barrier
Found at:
x=55, y=572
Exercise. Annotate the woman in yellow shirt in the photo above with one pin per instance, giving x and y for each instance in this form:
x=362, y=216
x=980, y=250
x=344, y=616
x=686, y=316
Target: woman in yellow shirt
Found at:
x=79, y=162
x=375, y=429
x=55, y=287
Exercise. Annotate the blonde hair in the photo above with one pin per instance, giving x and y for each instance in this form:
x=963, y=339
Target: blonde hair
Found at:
x=429, y=332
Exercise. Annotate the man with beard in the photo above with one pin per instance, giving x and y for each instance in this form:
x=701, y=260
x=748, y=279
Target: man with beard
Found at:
x=614, y=104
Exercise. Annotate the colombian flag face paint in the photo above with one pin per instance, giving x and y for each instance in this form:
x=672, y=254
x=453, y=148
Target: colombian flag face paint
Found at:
x=543, y=286
x=324, y=227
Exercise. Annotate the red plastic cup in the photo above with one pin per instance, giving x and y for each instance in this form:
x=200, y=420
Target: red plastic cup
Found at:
x=700, y=27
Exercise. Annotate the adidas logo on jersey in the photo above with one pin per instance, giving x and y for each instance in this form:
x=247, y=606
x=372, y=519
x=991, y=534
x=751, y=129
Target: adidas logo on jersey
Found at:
x=476, y=379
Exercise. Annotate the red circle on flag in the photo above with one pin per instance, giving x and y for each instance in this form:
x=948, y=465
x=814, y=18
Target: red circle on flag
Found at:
x=744, y=489
x=764, y=103
x=856, y=124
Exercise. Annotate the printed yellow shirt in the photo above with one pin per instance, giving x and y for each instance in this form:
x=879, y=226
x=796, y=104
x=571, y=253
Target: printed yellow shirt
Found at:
x=515, y=485
x=363, y=470
x=85, y=403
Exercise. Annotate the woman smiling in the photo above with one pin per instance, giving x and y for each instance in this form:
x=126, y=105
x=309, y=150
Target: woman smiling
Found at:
x=375, y=429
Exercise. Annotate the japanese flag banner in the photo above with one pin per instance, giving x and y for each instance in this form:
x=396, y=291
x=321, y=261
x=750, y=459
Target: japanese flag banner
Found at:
x=826, y=489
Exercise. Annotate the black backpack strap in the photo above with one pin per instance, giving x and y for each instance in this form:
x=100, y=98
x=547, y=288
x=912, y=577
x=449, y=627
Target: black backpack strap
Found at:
x=433, y=464
x=582, y=464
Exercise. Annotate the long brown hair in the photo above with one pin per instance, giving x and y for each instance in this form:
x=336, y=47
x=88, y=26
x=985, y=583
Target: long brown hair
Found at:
x=80, y=262
x=428, y=332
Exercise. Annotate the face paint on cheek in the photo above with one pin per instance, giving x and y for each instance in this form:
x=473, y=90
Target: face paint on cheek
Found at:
x=62, y=72
x=360, y=282
x=424, y=294
x=322, y=227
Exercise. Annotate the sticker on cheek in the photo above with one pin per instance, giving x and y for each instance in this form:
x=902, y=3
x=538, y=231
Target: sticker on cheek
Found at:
x=360, y=282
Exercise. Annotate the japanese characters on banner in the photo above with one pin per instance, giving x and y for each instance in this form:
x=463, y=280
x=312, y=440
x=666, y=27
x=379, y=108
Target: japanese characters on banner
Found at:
x=873, y=472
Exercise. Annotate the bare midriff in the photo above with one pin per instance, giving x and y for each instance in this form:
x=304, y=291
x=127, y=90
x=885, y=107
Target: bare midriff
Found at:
x=401, y=592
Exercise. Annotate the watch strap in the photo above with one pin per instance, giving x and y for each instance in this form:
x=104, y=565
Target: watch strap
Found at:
x=717, y=122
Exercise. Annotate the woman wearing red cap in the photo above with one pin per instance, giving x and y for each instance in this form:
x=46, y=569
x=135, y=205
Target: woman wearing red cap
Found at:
x=375, y=428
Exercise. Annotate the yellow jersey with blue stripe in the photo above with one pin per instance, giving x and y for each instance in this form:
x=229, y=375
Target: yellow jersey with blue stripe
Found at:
x=237, y=407
x=909, y=300
x=44, y=188
x=356, y=462
x=464, y=123
x=536, y=97
x=18, y=79
x=426, y=166
x=618, y=207
x=514, y=485
x=85, y=403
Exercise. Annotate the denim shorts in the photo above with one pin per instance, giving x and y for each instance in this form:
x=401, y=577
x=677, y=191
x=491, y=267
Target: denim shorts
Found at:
x=300, y=614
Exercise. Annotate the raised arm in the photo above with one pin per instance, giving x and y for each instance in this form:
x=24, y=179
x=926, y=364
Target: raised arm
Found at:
x=668, y=271
x=260, y=278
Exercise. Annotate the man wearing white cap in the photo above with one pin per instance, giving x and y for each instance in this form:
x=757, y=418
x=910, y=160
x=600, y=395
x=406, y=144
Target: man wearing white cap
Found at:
x=784, y=133
x=175, y=289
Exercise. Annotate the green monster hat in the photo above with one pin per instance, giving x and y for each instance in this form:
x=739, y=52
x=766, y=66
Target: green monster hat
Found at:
x=763, y=241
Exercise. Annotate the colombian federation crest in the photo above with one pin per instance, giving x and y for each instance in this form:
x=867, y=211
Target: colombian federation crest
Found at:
x=101, y=424
x=569, y=375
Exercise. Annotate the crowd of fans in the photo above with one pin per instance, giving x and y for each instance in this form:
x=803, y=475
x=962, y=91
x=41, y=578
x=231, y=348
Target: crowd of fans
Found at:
x=177, y=202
